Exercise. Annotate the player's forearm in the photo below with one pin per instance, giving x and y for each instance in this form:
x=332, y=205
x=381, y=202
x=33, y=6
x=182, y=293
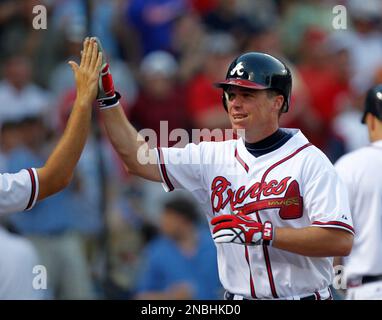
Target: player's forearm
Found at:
x=122, y=135
x=59, y=168
x=131, y=147
x=314, y=241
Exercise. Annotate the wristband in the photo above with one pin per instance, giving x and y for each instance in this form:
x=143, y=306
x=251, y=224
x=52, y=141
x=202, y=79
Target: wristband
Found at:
x=268, y=233
x=109, y=102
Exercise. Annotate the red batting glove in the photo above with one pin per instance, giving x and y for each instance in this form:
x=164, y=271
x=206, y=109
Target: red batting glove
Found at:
x=107, y=97
x=242, y=230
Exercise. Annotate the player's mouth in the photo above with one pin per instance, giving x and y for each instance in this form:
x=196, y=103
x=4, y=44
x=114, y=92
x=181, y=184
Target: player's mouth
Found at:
x=239, y=116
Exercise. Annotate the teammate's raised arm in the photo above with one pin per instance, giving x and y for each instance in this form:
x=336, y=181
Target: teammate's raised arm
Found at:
x=133, y=150
x=20, y=191
x=58, y=170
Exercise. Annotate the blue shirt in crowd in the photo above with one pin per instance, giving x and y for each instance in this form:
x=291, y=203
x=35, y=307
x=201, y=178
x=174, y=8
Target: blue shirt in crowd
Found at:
x=165, y=265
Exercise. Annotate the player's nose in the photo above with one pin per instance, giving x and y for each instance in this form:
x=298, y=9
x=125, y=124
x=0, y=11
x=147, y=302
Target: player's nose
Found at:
x=236, y=101
x=236, y=104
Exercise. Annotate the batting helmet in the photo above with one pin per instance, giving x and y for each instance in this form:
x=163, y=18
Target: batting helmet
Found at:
x=373, y=102
x=260, y=71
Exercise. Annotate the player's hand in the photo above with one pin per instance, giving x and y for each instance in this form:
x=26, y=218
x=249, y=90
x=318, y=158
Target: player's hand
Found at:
x=87, y=73
x=241, y=229
x=107, y=97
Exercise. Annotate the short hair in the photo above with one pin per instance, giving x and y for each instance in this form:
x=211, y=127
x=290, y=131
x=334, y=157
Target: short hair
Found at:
x=271, y=93
x=183, y=207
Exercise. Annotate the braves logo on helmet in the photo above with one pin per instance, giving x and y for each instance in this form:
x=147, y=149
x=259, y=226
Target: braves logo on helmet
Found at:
x=238, y=70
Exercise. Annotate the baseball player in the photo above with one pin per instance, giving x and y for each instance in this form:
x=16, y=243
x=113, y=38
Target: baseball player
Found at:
x=21, y=190
x=361, y=172
x=277, y=210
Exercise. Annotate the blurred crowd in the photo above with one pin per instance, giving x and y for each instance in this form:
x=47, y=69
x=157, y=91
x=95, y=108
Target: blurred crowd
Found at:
x=112, y=235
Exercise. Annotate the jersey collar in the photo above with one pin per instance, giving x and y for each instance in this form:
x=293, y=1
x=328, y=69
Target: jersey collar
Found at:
x=246, y=159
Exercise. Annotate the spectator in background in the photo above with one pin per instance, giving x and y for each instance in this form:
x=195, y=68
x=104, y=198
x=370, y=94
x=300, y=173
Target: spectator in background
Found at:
x=346, y=124
x=188, y=45
x=61, y=78
x=154, y=20
x=204, y=101
x=263, y=38
x=326, y=77
x=18, y=90
x=103, y=17
x=17, y=36
x=300, y=15
x=203, y=7
x=228, y=19
x=61, y=82
x=10, y=138
x=225, y=18
x=161, y=98
x=364, y=42
x=181, y=263
x=259, y=11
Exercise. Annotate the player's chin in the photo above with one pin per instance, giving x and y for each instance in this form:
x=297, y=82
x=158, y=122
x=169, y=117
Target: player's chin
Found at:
x=239, y=124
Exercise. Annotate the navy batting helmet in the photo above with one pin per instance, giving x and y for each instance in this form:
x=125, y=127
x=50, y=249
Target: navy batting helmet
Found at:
x=373, y=102
x=261, y=71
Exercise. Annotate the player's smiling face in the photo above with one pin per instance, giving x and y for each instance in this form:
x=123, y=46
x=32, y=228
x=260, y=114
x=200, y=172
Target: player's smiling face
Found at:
x=252, y=110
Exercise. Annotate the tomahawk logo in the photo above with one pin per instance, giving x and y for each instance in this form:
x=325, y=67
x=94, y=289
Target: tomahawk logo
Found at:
x=239, y=69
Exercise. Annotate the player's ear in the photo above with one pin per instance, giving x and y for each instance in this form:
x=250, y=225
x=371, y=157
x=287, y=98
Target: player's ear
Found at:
x=278, y=102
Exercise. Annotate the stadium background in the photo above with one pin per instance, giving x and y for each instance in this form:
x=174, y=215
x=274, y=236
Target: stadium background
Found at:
x=96, y=238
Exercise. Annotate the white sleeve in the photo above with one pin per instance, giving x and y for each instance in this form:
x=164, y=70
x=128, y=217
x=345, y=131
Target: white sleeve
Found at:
x=18, y=191
x=180, y=168
x=326, y=201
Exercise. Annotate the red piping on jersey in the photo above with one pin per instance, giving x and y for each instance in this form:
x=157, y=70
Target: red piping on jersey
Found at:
x=241, y=161
x=164, y=171
x=265, y=248
x=253, y=293
x=33, y=191
x=318, y=296
x=334, y=223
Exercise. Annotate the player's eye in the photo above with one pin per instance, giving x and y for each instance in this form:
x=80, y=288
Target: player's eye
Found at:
x=230, y=96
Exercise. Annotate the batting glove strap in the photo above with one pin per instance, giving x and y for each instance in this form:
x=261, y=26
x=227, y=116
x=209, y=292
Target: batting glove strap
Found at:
x=268, y=233
x=109, y=102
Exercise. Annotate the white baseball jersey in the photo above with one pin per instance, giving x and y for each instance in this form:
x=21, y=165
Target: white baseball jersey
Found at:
x=19, y=257
x=362, y=174
x=294, y=186
x=18, y=191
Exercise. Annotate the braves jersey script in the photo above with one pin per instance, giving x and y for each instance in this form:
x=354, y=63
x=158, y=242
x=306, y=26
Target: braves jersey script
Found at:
x=361, y=172
x=18, y=191
x=294, y=186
